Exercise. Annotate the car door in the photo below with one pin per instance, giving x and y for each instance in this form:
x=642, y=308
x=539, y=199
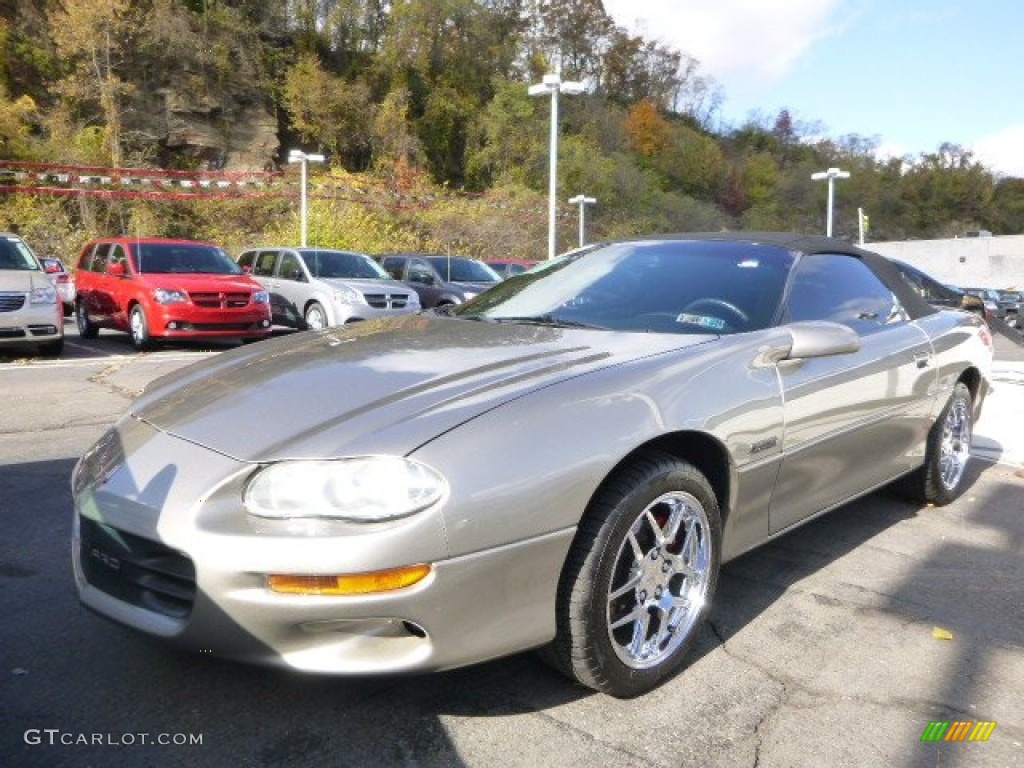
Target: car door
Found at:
x=424, y=280
x=852, y=421
x=264, y=263
x=292, y=286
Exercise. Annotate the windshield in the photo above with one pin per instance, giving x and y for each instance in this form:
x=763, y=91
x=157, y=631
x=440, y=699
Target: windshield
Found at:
x=183, y=258
x=667, y=286
x=14, y=254
x=343, y=264
x=458, y=269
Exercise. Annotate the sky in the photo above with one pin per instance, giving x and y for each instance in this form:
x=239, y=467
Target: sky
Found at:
x=912, y=74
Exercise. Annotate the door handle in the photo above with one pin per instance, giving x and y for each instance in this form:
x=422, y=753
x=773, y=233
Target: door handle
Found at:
x=922, y=359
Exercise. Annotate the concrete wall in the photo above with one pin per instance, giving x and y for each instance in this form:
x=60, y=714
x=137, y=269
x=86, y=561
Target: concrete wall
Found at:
x=975, y=262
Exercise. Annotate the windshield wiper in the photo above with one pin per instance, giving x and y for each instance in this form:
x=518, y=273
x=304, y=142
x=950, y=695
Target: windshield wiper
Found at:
x=547, y=319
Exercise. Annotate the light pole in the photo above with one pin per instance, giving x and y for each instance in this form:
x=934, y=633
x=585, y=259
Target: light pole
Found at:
x=831, y=174
x=583, y=202
x=553, y=84
x=303, y=159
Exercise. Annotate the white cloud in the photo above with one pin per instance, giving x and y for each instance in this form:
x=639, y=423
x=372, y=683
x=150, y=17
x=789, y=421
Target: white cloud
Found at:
x=748, y=40
x=1003, y=151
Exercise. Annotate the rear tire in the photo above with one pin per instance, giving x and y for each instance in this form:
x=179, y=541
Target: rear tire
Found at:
x=948, y=450
x=639, y=578
x=87, y=329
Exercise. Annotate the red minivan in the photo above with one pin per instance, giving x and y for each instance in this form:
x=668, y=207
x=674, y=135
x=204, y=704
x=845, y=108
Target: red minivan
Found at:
x=156, y=288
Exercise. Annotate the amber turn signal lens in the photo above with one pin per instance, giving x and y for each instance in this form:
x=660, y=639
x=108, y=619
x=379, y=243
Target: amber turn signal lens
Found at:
x=349, y=583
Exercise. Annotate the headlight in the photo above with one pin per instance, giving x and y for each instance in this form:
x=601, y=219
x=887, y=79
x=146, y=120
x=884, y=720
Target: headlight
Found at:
x=348, y=296
x=169, y=296
x=44, y=295
x=260, y=297
x=362, y=490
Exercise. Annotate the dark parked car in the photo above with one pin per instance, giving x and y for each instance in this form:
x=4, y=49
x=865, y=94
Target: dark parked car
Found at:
x=1011, y=302
x=940, y=295
x=440, y=280
x=157, y=288
x=564, y=462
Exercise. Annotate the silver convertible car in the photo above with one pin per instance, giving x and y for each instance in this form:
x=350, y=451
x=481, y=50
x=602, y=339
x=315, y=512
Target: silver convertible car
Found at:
x=562, y=463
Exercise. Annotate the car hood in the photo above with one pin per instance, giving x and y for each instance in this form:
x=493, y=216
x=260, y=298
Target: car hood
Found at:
x=22, y=280
x=367, y=285
x=190, y=281
x=385, y=386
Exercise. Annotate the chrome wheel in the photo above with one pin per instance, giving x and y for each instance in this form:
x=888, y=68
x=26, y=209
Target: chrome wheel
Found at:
x=660, y=581
x=639, y=578
x=955, y=447
x=316, y=318
x=138, y=328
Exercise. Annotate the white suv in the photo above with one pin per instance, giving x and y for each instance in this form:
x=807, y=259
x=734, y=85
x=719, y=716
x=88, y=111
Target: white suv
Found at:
x=319, y=287
x=30, y=310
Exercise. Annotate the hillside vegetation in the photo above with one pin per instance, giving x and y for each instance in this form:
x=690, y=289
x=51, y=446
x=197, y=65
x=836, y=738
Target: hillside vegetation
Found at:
x=421, y=107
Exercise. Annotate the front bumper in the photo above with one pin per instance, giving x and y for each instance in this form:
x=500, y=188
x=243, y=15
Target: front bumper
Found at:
x=164, y=546
x=184, y=321
x=31, y=324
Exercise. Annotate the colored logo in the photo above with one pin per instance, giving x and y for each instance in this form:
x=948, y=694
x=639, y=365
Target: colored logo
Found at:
x=958, y=730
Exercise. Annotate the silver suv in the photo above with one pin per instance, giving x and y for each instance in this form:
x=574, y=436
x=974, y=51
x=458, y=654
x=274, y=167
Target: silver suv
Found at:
x=319, y=287
x=30, y=311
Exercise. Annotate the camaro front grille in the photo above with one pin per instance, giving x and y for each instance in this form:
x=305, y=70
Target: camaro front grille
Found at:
x=10, y=301
x=136, y=570
x=219, y=300
x=387, y=300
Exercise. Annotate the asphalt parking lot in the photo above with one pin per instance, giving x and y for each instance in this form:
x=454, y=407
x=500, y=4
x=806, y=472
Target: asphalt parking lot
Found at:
x=836, y=645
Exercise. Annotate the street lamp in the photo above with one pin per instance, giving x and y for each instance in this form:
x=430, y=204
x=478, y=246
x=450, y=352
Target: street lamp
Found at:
x=831, y=174
x=583, y=202
x=553, y=84
x=303, y=159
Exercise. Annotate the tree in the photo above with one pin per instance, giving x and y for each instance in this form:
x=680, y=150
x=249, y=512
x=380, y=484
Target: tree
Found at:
x=94, y=39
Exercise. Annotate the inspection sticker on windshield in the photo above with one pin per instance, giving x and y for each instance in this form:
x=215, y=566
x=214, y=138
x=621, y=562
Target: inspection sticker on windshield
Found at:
x=712, y=323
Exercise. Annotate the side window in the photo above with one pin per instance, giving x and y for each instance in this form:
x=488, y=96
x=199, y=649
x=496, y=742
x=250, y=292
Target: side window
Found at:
x=97, y=260
x=290, y=268
x=264, y=266
x=393, y=266
x=246, y=259
x=117, y=256
x=844, y=290
x=420, y=272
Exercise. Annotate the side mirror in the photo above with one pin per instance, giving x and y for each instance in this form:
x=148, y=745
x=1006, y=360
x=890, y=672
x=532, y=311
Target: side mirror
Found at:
x=116, y=269
x=247, y=269
x=50, y=268
x=809, y=339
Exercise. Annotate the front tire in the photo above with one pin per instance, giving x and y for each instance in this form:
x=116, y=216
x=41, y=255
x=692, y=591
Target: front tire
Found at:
x=639, y=578
x=138, y=327
x=315, y=317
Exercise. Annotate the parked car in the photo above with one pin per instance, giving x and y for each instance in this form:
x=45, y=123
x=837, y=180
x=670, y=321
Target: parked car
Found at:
x=508, y=267
x=940, y=295
x=62, y=280
x=564, y=462
x=161, y=289
x=1011, y=303
x=319, y=287
x=440, y=280
x=30, y=313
